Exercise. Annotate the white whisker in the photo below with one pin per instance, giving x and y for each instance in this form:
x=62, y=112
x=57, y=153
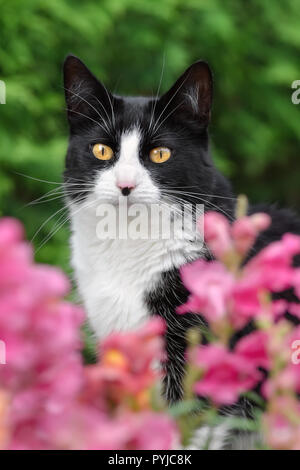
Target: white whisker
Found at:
x=157, y=94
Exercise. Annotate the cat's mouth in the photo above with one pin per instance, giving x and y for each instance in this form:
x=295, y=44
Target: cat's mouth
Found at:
x=127, y=197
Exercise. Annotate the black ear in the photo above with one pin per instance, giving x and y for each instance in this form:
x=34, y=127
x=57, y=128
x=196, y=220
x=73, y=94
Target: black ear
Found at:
x=86, y=97
x=192, y=93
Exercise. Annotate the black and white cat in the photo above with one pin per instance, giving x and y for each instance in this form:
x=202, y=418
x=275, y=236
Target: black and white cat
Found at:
x=110, y=161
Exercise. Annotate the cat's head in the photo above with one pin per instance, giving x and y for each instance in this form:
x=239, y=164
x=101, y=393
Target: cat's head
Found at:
x=142, y=149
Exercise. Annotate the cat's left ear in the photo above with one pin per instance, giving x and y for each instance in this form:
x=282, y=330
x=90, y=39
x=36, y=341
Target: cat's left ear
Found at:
x=192, y=93
x=86, y=97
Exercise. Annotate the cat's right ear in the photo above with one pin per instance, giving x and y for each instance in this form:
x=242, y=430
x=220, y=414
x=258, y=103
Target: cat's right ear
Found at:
x=86, y=97
x=191, y=93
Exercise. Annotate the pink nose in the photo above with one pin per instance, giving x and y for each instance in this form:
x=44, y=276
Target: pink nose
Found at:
x=125, y=176
x=125, y=184
x=125, y=187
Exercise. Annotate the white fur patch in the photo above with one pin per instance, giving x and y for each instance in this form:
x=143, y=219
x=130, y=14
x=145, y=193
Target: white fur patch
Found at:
x=128, y=165
x=113, y=276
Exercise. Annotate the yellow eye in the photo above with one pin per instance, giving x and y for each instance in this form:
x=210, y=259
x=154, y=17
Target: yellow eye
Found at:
x=102, y=152
x=160, y=154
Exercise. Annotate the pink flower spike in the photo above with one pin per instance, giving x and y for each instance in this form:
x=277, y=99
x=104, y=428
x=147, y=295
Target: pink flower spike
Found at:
x=217, y=233
x=11, y=231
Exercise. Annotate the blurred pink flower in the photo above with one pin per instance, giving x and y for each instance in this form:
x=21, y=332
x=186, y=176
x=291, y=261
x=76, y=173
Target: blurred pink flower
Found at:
x=225, y=374
x=223, y=239
x=294, y=309
x=48, y=399
x=281, y=434
x=248, y=301
x=126, y=367
x=287, y=378
x=296, y=282
x=11, y=232
x=246, y=229
x=210, y=284
x=245, y=301
x=282, y=424
x=15, y=254
x=271, y=269
x=88, y=429
x=237, y=298
x=151, y=431
x=217, y=233
x=43, y=370
x=279, y=308
x=253, y=348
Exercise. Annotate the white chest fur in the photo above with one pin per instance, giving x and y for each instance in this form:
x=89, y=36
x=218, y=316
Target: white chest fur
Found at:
x=113, y=276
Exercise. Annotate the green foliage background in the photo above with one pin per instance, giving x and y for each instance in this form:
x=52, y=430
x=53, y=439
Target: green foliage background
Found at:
x=253, y=48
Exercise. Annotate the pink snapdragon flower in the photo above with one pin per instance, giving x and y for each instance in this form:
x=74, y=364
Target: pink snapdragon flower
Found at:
x=15, y=254
x=271, y=268
x=126, y=365
x=217, y=234
x=210, y=285
x=236, y=293
x=229, y=294
x=43, y=370
x=224, y=239
x=269, y=271
x=225, y=374
x=282, y=424
x=253, y=348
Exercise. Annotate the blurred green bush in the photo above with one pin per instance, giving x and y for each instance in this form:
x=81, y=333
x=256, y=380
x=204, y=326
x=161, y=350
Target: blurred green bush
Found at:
x=253, y=48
